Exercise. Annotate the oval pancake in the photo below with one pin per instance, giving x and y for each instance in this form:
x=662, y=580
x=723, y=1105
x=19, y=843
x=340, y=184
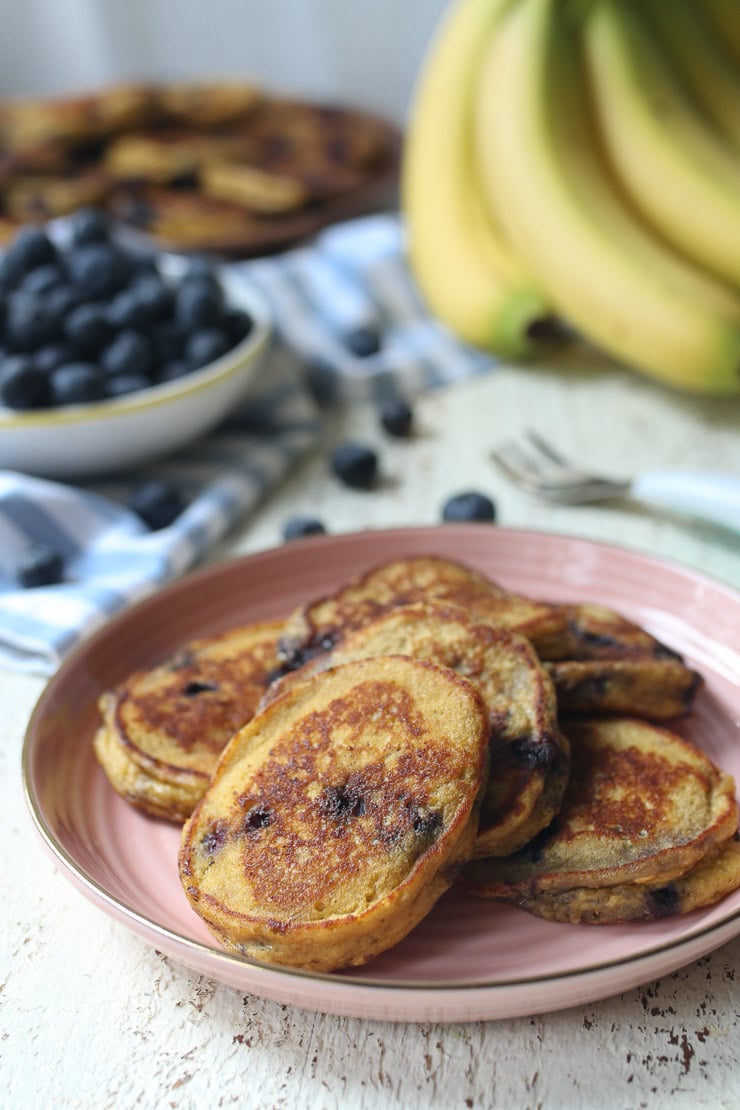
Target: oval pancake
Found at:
x=322, y=623
x=163, y=729
x=528, y=753
x=339, y=814
x=644, y=830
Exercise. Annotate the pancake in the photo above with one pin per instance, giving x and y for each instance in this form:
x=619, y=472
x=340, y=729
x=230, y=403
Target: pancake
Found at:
x=338, y=815
x=645, y=829
x=614, y=666
x=528, y=754
x=322, y=623
x=163, y=729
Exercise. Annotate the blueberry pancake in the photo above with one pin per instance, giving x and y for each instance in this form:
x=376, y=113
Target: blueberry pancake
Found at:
x=648, y=827
x=614, y=666
x=321, y=624
x=528, y=753
x=163, y=729
x=339, y=815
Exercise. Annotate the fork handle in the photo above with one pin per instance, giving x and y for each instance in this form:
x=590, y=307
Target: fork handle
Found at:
x=703, y=494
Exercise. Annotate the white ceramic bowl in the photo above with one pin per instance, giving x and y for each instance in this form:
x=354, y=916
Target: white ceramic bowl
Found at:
x=82, y=441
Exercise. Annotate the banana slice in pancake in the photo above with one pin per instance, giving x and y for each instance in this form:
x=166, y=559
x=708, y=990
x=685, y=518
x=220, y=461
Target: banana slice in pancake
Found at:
x=339, y=815
x=529, y=754
x=646, y=828
x=164, y=729
x=321, y=624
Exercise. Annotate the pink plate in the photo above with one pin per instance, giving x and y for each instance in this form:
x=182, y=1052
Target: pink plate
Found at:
x=469, y=959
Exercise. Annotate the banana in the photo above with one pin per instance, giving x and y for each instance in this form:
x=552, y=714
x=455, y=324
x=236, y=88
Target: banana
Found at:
x=468, y=275
x=609, y=276
x=671, y=163
x=701, y=58
x=723, y=18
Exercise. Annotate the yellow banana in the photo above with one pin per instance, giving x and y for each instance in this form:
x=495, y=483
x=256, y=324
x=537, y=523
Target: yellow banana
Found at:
x=604, y=271
x=468, y=275
x=671, y=163
x=723, y=17
x=700, y=57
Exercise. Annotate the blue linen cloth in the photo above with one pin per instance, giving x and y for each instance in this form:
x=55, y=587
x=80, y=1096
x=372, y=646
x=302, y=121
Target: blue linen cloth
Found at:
x=352, y=275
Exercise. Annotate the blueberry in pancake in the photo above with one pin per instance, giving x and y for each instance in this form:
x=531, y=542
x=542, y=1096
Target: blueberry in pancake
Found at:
x=648, y=827
x=163, y=729
x=339, y=814
x=528, y=753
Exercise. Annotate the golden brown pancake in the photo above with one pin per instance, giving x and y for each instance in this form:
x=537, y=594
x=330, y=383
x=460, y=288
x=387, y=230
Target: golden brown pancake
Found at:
x=528, y=753
x=164, y=729
x=338, y=816
x=614, y=666
x=644, y=829
x=322, y=623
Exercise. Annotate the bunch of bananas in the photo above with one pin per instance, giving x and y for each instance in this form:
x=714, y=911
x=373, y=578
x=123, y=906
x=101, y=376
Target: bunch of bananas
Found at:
x=579, y=161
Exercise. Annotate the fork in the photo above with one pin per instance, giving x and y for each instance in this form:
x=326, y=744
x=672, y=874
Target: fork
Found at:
x=540, y=469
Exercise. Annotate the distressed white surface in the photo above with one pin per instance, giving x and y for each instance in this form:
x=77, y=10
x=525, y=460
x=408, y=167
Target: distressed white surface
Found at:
x=91, y=1017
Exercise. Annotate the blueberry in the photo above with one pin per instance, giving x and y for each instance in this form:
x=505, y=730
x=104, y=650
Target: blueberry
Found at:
x=54, y=354
x=76, y=383
x=126, y=310
x=198, y=304
x=60, y=301
x=155, y=297
x=40, y=566
x=297, y=526
x=29, y=323
x=22, y=384
x=171, y=371
x=100, y=269
x=120, y=384
x=43, y=279
x=397, y=417
x=238, y=324
x=168, y=340
x=129, y=353
x=87, y=327
x=469, y=506
x=157, y=503
x=206, y=345
x=89, y=225
x=31, y=247
x=355, y=465
x=363, y=341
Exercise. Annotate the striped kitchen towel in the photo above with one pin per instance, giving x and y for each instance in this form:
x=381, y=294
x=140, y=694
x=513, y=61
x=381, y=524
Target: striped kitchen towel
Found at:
x=352, y=277
x=110, y=557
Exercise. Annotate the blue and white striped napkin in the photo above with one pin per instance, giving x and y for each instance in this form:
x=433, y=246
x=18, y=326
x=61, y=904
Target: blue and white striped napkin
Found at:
x=353, y=275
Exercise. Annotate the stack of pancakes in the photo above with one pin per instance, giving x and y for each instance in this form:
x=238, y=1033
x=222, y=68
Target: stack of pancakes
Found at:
x=227, y=167
x=339, y=770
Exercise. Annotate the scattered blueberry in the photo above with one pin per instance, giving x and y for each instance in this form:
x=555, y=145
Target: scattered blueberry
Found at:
x=158, y=503
x=363, y=341
x=40, y=566
x=396, y=416
x=469, y=506
x=355, y=464
x=22, y=384
x=297, y=526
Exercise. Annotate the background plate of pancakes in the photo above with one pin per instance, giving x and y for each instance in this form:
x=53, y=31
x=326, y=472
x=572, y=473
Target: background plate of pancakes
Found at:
x=470, y=959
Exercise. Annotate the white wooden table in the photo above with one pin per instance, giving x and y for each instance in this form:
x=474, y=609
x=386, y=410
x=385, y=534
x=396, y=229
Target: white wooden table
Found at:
x=92, y=1017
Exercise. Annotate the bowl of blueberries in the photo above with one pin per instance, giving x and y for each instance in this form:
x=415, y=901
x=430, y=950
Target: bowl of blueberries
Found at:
x=110, y=356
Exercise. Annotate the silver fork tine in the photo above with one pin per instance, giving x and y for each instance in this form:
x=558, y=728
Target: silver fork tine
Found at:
x=546, y=449
x=547, y=473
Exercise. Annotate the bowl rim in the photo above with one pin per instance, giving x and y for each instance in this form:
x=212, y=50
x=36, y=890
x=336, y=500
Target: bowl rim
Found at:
x=241, y=288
